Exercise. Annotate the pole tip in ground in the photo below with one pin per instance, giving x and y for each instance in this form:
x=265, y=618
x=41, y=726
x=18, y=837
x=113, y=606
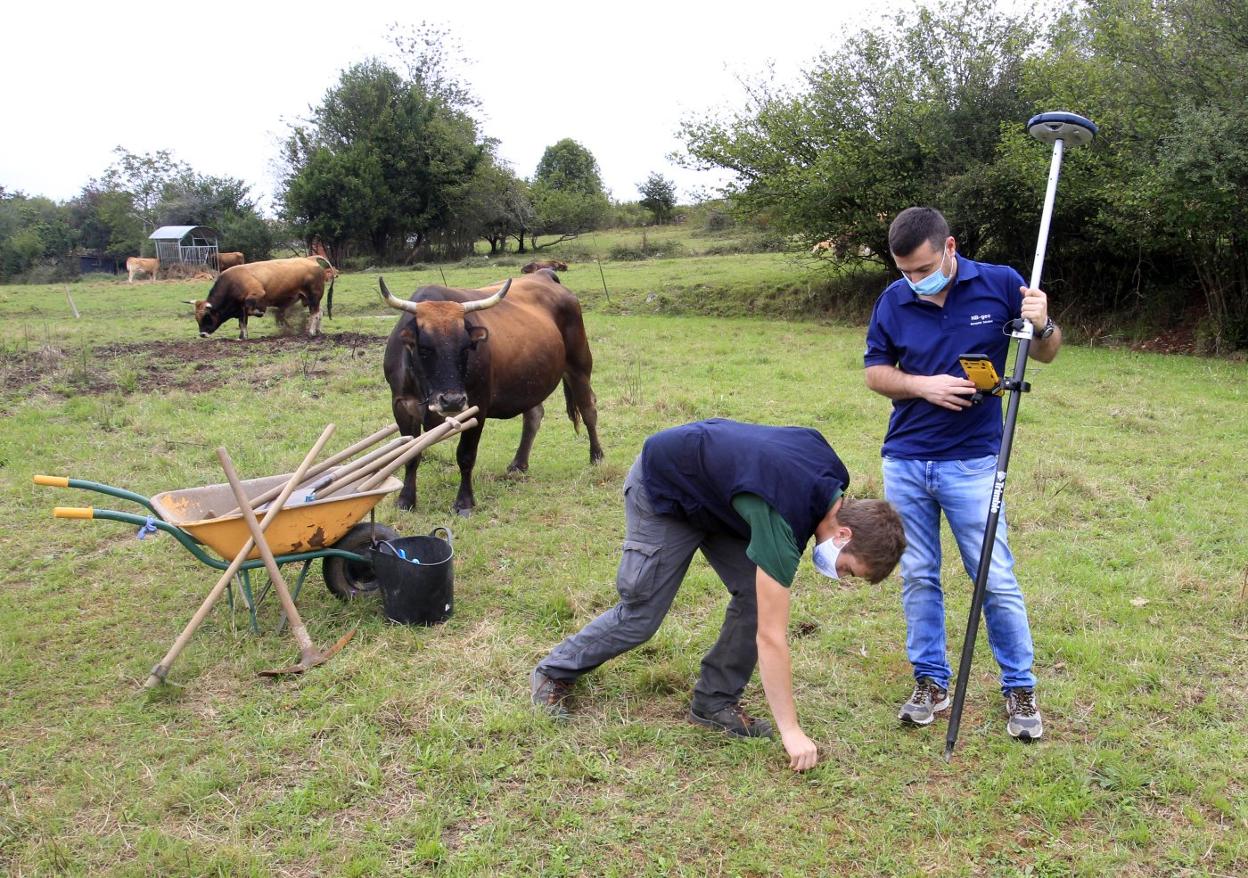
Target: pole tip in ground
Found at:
x=948, y=751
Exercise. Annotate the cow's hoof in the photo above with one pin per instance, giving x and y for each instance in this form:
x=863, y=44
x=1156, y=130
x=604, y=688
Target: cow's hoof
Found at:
x=517, y=468
x=596, y=457
x=406, y=505
x=463, y=513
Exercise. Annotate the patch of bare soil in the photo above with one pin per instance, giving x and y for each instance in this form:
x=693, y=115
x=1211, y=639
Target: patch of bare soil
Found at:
x=196, y=365
x=1177, y=340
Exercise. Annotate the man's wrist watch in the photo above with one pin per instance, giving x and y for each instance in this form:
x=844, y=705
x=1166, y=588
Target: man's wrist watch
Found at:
x=1049, y=328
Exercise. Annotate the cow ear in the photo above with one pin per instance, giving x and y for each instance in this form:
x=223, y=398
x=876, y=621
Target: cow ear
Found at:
x=478, y=334
x=408, y=334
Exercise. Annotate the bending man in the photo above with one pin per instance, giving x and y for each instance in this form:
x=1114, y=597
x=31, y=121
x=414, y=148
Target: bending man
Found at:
x=750, y=498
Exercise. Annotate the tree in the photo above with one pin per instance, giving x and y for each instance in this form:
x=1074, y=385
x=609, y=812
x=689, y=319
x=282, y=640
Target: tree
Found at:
x=337, y=197
x=568, y=196
x=495, y=206
x=893, y=117
x=36, y=238
x=145, y=178
x=224, y=203
x=410, y=154
x=107, y=222
x=658, y=195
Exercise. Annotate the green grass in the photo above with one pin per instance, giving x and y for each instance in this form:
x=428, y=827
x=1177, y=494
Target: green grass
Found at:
x=414, y=750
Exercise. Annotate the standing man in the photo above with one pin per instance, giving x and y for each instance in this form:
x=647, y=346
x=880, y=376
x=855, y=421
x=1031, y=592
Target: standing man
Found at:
x=940, y=451
x=750, y=498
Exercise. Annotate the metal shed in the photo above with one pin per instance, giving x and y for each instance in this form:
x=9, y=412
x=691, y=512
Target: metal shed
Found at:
x=186, y=245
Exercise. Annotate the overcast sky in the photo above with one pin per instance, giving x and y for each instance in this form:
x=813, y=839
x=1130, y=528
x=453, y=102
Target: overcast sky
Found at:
x=218, y=84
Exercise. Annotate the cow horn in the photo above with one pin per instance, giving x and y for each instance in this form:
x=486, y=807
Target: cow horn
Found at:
x=390, y=300
x=190, y=302
x=490, y=302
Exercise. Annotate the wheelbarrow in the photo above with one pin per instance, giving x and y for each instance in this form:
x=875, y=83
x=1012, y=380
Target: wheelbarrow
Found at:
x=306, y=529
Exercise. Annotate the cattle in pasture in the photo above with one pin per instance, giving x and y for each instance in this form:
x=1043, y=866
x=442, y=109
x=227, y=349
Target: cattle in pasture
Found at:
x=250, y=289
x=139, y=265
x=841, y=247
x=503, y=349
x=552, y=264
x=229, y=260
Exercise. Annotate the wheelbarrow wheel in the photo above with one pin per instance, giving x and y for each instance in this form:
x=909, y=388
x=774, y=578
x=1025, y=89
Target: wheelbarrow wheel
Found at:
x=347, y=579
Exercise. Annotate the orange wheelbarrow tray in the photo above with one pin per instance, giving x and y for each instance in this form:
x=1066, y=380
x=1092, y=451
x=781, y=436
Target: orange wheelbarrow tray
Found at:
x=305, y=530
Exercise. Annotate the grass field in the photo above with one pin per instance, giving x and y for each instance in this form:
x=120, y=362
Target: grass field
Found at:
x=415, y=751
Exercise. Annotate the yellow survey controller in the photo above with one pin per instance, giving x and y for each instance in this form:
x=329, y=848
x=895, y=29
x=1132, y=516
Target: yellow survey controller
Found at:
x=983, y=375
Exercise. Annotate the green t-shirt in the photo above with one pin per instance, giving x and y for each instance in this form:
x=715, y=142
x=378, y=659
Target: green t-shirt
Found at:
x=772, y=544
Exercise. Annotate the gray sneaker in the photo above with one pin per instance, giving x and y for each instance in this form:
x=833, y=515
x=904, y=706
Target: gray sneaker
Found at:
x=1024, y=717
x=550, y=694
x=927, y=700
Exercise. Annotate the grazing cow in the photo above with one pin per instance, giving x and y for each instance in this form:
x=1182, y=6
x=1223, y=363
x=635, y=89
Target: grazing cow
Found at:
x=454, y=348
x=247, y=290
x=841, y=247
x=139, y=265
x=229, y=260
x=552, y=264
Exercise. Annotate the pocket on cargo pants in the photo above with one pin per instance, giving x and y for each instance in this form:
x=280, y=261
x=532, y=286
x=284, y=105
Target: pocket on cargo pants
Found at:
x=638, y=574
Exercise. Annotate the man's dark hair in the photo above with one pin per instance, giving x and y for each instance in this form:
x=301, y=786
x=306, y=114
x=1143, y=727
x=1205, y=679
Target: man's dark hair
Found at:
x=878, y=536
x=913, y=226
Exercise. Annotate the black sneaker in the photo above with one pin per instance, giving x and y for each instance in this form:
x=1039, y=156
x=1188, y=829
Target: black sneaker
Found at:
x=550, y=694
x=927, y=700
x=733, y=720
x=1024, y=717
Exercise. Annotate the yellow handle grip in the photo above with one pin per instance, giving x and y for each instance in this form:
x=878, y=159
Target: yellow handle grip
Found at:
x=52, y=481
x=73, y=512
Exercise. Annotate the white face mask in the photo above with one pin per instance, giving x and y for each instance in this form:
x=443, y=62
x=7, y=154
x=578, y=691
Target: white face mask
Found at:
x=824, y=556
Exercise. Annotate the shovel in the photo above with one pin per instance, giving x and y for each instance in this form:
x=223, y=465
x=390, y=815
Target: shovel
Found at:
x=309, y=655
x=161, y=670
x=326, y=464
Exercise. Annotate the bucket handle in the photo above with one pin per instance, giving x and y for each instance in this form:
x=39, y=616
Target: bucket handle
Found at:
x=396, y=553
x=446, y=530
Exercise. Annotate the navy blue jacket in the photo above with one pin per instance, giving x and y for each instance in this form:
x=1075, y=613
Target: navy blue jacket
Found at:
x=695, y=470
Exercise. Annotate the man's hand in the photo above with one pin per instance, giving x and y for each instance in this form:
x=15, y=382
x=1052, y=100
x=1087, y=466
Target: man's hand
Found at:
x=1035, y=307
x=803, y=754
x=945, y=391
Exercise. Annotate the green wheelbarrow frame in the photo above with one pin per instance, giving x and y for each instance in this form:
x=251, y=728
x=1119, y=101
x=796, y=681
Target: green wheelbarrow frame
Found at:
x=195, y=546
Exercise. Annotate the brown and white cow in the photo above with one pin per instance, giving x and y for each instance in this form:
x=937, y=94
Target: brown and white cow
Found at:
x=229, y=260
x=249, y=289
x=139, y=265
x=503, y=349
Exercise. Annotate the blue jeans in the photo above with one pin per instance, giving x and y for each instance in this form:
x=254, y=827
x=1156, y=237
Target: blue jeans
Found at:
x=961, y=489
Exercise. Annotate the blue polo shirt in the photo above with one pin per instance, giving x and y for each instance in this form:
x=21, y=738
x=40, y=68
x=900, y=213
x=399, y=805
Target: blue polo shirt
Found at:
x=921, y=338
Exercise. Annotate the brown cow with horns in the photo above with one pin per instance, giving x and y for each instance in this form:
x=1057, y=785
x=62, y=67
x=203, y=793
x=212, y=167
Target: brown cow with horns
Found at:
x=503, y=350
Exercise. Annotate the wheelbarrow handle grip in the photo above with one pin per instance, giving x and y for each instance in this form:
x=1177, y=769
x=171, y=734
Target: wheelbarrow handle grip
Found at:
x=73, y=512
x=52, y=481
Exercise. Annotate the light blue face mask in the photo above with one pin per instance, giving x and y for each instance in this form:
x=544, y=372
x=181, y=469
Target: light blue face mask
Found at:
x=825, y=555
x=934, y=282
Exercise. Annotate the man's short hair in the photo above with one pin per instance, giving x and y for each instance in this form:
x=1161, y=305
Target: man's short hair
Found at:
x=878, y=540
x=913, y=226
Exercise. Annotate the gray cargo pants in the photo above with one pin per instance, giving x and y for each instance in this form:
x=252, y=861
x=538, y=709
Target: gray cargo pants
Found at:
x=657, y=552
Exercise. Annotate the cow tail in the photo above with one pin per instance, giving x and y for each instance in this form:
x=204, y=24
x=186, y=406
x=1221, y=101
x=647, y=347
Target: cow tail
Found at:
x=574, y=414
x=329, y=300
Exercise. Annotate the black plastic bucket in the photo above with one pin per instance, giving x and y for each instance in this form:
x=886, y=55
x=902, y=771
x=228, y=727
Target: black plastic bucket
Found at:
x=416, y=578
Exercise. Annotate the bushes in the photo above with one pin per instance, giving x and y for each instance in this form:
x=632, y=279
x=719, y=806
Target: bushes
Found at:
x=646, y=250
